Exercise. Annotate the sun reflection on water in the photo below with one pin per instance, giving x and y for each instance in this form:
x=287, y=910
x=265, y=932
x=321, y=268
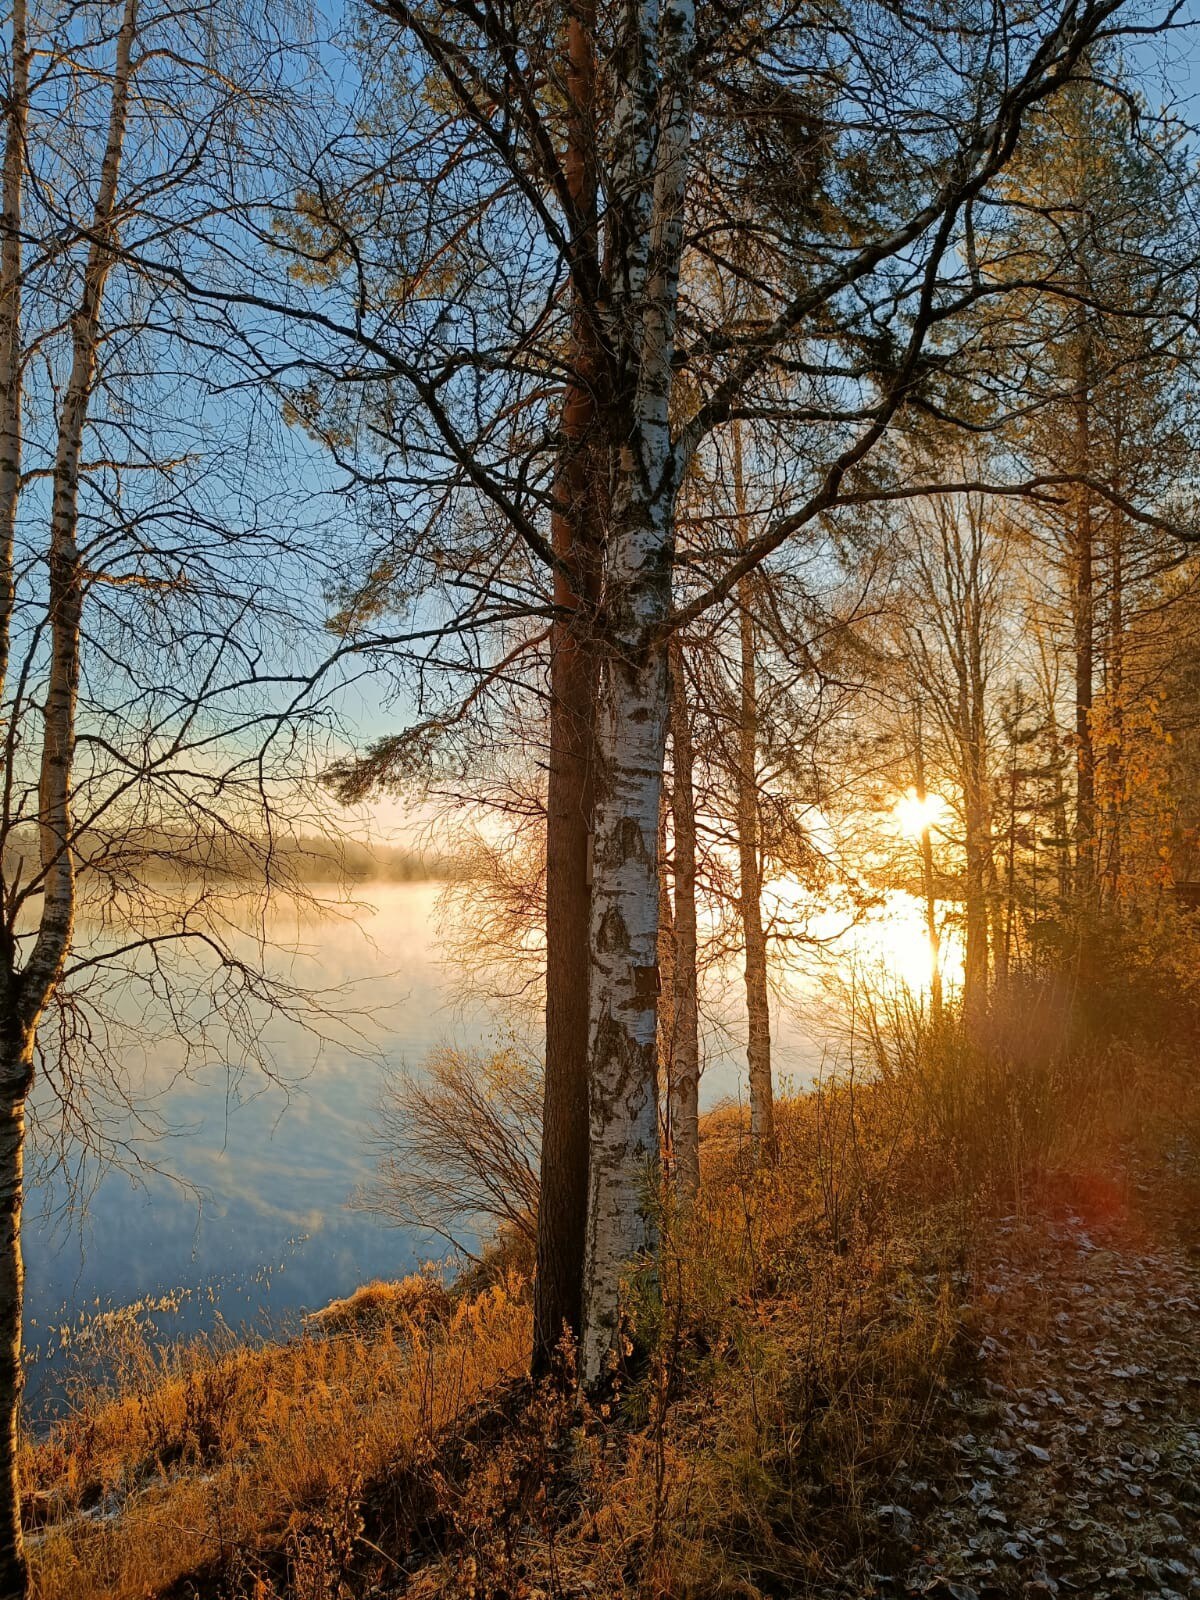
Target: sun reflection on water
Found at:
x=885, y=945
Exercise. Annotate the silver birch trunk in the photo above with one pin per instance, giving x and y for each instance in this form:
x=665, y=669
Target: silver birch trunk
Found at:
x=16, y=1073
x=66, y=570
x=11, y=354
x=623, y=1155
x=32, y=989
x=16, y=1050
x=651, y=139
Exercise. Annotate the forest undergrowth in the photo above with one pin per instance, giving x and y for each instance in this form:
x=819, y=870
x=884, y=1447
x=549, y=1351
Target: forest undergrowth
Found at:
x=789, y=1415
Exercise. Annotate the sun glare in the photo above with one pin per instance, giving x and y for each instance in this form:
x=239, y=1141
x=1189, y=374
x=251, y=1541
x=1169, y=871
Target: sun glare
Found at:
x=897, y=945
x=914, y=814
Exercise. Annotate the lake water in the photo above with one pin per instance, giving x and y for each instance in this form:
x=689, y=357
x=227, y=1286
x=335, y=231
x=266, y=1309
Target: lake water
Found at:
x=248, y=1218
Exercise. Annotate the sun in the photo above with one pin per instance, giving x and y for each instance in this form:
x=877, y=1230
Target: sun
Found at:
x=914, y=815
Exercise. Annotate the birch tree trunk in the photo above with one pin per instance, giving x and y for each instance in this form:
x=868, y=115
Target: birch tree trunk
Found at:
x=16, y=1073
x=16, y=1067
x=31, y=990
x=685, y=1074
x=11, y=354
x=562, y=1213
x=758, y=1004
x=650, y=141
x=623, y=1154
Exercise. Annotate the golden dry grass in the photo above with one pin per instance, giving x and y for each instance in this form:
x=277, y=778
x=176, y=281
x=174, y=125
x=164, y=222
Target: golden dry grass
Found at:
x=796, y=1345
x=224, y=1451
x=383, y=1303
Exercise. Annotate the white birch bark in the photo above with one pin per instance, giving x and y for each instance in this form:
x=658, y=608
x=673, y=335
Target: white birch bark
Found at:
x=11, y=357
x=15, y=1059
x=651, y=143
x=66, y=570
x=31, y=989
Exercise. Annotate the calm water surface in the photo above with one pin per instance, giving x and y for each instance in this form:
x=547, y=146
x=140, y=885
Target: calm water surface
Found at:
x=249, y=1214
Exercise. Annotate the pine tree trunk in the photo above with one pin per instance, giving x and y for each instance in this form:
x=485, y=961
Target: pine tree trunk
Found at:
x=562, y=1210
x=685, y=1075
x=562, y=1214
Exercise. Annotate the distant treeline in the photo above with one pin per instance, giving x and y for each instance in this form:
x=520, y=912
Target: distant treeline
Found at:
x=148, y=854
x=319, y=859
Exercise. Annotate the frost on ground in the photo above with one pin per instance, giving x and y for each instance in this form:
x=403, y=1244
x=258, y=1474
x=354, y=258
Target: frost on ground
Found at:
x=1074, y=1457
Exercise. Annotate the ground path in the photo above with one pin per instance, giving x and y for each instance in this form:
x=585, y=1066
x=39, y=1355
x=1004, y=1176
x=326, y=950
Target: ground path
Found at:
x=1074, y=1450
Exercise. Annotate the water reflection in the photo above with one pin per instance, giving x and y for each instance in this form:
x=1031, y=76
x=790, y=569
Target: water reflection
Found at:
x=254, y=1174
x=249, y=1210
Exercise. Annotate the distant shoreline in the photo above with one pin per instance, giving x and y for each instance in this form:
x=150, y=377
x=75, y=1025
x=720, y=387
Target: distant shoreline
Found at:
x=301, y=861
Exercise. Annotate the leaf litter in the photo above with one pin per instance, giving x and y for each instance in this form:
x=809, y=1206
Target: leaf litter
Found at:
x=1073, y=1448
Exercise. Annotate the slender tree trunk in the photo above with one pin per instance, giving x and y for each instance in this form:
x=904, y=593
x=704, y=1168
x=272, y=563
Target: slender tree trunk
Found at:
x=666, y=975
x=758, y=1003
x=975, y=959
x=15, y=1075
x=981, y=863
x=562, y=1214
x=1004, y=944
x=15, y=1062
x=1054, y=747
x=975, y=962
x=1083, y=619
x=11, y=355
x=30, y=992
x=685, y=1076
x=1115, y=696
x=1060, y=814
x=932, y=931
